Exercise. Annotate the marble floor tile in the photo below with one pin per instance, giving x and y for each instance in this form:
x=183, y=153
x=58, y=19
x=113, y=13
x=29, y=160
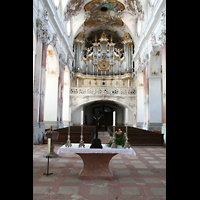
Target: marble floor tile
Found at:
x=68, y=190
x=40, y=189
x=130, y=191
x=99, y=190
x=146, y=173
x=158, y=191
x=132, y=175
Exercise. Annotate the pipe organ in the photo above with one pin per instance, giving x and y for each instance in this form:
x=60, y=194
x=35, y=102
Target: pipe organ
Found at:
x=103, y=59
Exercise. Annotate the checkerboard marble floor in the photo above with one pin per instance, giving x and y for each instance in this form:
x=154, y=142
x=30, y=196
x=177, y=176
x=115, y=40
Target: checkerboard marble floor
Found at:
x=135, y=177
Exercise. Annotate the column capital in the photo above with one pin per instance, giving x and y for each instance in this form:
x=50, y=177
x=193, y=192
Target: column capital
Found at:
x=41, y=25
x=162, y=36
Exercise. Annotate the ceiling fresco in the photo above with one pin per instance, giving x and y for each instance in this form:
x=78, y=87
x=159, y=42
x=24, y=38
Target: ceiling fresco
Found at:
x=97, y=15
x=103, y=13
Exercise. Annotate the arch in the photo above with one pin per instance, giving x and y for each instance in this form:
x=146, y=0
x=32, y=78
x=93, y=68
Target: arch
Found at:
x=131, y=112
x=91, y=101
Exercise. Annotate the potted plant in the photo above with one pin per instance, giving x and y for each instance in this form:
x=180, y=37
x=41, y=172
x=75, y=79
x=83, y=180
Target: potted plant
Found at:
x=120, y=139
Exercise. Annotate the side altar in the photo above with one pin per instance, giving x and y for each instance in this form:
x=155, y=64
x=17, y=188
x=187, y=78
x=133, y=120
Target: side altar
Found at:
x=96, y=161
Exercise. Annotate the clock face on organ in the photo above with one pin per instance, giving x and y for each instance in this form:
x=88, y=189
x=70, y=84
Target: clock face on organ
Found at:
x=103, y=66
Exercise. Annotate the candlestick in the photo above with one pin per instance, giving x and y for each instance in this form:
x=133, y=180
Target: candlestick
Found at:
x=68, y=143
x=81, y=117
x=81, y=144
x=126, y=118
x=47, y=156
x=113, y=141
x=113, y=118
x=127, y=145
x=49, y=146
x=69, y=114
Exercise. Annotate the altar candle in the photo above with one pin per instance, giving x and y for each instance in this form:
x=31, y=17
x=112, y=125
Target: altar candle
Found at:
x=49, y=145
x=69, y=114
x=126, y=118
x=113, y=118
x=81, y=117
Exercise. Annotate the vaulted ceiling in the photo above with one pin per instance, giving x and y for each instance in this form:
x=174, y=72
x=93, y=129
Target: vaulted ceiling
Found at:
x=114, y=16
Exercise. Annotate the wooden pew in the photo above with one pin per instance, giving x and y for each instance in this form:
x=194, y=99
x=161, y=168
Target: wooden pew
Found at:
x=138, y=136
x=75, y=134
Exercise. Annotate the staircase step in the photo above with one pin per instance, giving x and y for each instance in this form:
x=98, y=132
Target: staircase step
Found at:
x=104, y=137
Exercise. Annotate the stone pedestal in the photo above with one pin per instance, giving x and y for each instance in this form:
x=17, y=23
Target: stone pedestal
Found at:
x=54, y=136
x=96, y=166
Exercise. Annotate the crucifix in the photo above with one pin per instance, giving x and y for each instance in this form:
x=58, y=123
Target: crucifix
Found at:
x=96, y=142
x=97, y=116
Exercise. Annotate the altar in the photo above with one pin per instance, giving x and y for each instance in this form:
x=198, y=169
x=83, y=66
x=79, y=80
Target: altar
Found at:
x=96, y=161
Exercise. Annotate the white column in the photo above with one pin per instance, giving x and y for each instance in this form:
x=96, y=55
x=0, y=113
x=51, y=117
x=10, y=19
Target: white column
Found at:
x=140, y=98
x=155, y=101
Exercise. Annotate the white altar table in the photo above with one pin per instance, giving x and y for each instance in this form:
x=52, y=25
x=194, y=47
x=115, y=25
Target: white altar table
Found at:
x=96, y=161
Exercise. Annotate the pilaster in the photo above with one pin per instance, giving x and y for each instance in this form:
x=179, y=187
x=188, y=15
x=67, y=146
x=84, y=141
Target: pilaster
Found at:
x=36, y=92
x=155, y=101
x=39, y=76
x=140, y=94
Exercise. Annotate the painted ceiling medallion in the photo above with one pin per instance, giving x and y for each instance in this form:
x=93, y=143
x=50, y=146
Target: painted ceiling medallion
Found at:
x=103, y=13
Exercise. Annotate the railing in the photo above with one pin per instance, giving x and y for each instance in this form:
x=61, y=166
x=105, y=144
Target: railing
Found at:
x=91, y=91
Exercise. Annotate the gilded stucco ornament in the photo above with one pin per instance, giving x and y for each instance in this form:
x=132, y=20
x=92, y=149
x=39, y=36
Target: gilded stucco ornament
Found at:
x=42, y=29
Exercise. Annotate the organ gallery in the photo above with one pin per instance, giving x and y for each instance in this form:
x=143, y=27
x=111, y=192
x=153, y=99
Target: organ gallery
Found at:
x=104, y=56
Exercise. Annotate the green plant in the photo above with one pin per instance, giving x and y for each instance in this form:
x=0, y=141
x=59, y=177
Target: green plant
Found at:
x=120, y=138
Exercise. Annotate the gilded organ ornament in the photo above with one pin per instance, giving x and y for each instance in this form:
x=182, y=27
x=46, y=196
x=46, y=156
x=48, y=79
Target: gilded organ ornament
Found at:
x=103, y=55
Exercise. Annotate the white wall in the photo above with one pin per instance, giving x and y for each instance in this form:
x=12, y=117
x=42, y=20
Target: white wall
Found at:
x=51, y=98
x=155, y=108
x=51, y=85
x=140, y=104
x=66, y=95
x=76, y=116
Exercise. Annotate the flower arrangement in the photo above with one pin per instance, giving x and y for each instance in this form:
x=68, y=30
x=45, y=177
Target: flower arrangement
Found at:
x=120, y=138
